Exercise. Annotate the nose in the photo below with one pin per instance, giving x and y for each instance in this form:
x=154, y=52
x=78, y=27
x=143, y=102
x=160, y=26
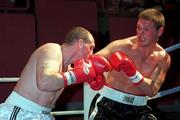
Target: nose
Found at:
x=141, y=31
x=91, y=52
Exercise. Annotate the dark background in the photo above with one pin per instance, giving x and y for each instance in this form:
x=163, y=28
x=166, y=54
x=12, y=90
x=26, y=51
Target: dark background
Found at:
x=27, y=24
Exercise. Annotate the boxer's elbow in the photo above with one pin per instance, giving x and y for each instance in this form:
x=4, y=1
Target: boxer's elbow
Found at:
x=150, y=88
x=152, y=92
x=50, y=82
x=42, y=82
x=149, y=91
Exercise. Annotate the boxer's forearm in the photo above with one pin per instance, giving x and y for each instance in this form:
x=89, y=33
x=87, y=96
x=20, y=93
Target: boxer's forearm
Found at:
x=50, y=81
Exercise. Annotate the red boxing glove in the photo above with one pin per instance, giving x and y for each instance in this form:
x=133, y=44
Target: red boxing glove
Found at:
x=120, y=61
x=98, y=83
x=100, y=65
x=82, y=72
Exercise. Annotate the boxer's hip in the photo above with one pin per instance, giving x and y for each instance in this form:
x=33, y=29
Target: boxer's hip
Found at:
x=16, y=99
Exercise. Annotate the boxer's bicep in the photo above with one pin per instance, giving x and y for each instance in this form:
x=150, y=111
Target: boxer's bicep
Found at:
x=48, y=62
x=157, y=78
x=49, y=66
x=159, y=74
x=48, y=76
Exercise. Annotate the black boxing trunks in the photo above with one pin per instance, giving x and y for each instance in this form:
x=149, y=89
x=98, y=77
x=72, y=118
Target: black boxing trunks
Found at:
x=110, y=104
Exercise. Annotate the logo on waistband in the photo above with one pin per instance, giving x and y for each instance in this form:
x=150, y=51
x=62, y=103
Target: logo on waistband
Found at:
x=128, y=99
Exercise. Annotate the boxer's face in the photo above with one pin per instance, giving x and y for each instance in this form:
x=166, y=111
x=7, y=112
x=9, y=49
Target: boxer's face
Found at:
x=146, y=32
x=88, y=49
x=85, y=49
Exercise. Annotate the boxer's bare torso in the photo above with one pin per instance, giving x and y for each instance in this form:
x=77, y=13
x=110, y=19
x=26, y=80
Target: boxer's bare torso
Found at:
x=28, y=83
x=150, y=61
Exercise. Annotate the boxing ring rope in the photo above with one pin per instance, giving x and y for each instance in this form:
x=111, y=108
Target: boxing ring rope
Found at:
x=165, y=92
x=70, y=112
x=173, y=47
x=81, y=112
x=9, y=80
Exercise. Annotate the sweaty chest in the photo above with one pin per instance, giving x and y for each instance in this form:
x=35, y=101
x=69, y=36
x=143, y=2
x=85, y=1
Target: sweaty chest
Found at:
x=145, y=66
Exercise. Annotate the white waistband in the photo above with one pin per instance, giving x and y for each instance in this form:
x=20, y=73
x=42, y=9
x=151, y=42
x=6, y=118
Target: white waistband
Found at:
x=24, y=103
x=123, y=97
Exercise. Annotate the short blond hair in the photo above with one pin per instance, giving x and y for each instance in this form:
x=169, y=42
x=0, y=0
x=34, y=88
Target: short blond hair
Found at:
x=76, y=33
x=154, y=15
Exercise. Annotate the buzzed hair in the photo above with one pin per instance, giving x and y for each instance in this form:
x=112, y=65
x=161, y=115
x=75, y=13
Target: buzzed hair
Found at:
x=154, y=15
x=76, y=33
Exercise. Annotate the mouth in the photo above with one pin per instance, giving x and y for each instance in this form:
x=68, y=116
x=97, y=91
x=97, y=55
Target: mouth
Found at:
x=141, y=39
x=86, y=60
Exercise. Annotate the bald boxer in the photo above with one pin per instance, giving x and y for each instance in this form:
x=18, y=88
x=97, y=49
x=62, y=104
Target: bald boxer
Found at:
x=47, y=72
x=139, y=67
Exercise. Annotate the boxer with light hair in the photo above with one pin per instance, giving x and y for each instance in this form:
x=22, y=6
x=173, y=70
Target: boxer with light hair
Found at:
x=139, y=67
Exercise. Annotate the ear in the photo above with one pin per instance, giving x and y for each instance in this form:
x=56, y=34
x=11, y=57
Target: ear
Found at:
x=80, y=43
x=160, y=31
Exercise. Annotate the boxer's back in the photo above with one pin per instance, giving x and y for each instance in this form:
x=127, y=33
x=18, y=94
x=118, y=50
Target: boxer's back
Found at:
x=27, y=84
